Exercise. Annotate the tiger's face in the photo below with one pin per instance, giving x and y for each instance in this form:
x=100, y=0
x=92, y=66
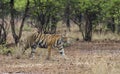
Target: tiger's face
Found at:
x=61, y=42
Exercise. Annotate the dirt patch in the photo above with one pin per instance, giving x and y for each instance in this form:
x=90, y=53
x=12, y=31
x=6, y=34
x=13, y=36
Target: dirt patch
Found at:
x=83, y=58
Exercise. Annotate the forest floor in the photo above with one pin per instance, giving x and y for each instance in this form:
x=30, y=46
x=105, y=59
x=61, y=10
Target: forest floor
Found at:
x=82, y=58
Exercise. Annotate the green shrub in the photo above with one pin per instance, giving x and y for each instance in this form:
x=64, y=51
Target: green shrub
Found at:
x=6, y=51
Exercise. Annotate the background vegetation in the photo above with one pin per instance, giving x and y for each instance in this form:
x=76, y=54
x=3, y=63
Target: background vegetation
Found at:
x=91, y=16
x=97, y=21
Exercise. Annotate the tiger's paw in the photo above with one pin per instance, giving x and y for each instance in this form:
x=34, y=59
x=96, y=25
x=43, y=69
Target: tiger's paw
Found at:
x=32, y=57
x=66, y=58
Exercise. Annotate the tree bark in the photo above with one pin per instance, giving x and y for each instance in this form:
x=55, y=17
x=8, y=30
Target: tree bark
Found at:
x=113, y=25
x=2, y=32
x=67, y=15
x=2, y=26
x=15, y=36
x=12, y=21
x=24, y=17
x=88, y=27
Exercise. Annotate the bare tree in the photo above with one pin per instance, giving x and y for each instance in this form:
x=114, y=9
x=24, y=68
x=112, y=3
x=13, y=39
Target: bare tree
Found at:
x=3, y=34
x=88, y=27
x=15, y=36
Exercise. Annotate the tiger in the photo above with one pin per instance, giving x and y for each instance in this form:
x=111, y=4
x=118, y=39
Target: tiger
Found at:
x=48, y=41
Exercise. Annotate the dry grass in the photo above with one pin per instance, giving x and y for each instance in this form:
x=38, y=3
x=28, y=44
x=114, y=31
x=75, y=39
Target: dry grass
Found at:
x=108, y=36
x=96, y=36
x=83, y=57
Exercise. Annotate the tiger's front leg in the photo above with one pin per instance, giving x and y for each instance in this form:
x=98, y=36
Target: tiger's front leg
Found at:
x=33, y=50
x=49, y=52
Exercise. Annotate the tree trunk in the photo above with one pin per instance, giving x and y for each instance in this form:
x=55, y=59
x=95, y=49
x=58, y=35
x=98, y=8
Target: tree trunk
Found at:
x=67, y=16
x=15, y=36
x=12, y=21
x=2, y=27
x=88, y=27
x=24, y=17
x=2, y=32
x=68, y=24
x=113, y=25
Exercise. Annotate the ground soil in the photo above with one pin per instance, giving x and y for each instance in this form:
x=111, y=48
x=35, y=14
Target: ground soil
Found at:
x=81, y=58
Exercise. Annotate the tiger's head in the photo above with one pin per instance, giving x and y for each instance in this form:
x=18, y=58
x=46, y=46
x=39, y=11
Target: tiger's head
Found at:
x=61, y=43
x=65, y=37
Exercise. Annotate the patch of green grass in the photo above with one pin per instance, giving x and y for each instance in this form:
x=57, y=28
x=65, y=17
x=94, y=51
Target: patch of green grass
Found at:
x=66, y=44
x=6, y=51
